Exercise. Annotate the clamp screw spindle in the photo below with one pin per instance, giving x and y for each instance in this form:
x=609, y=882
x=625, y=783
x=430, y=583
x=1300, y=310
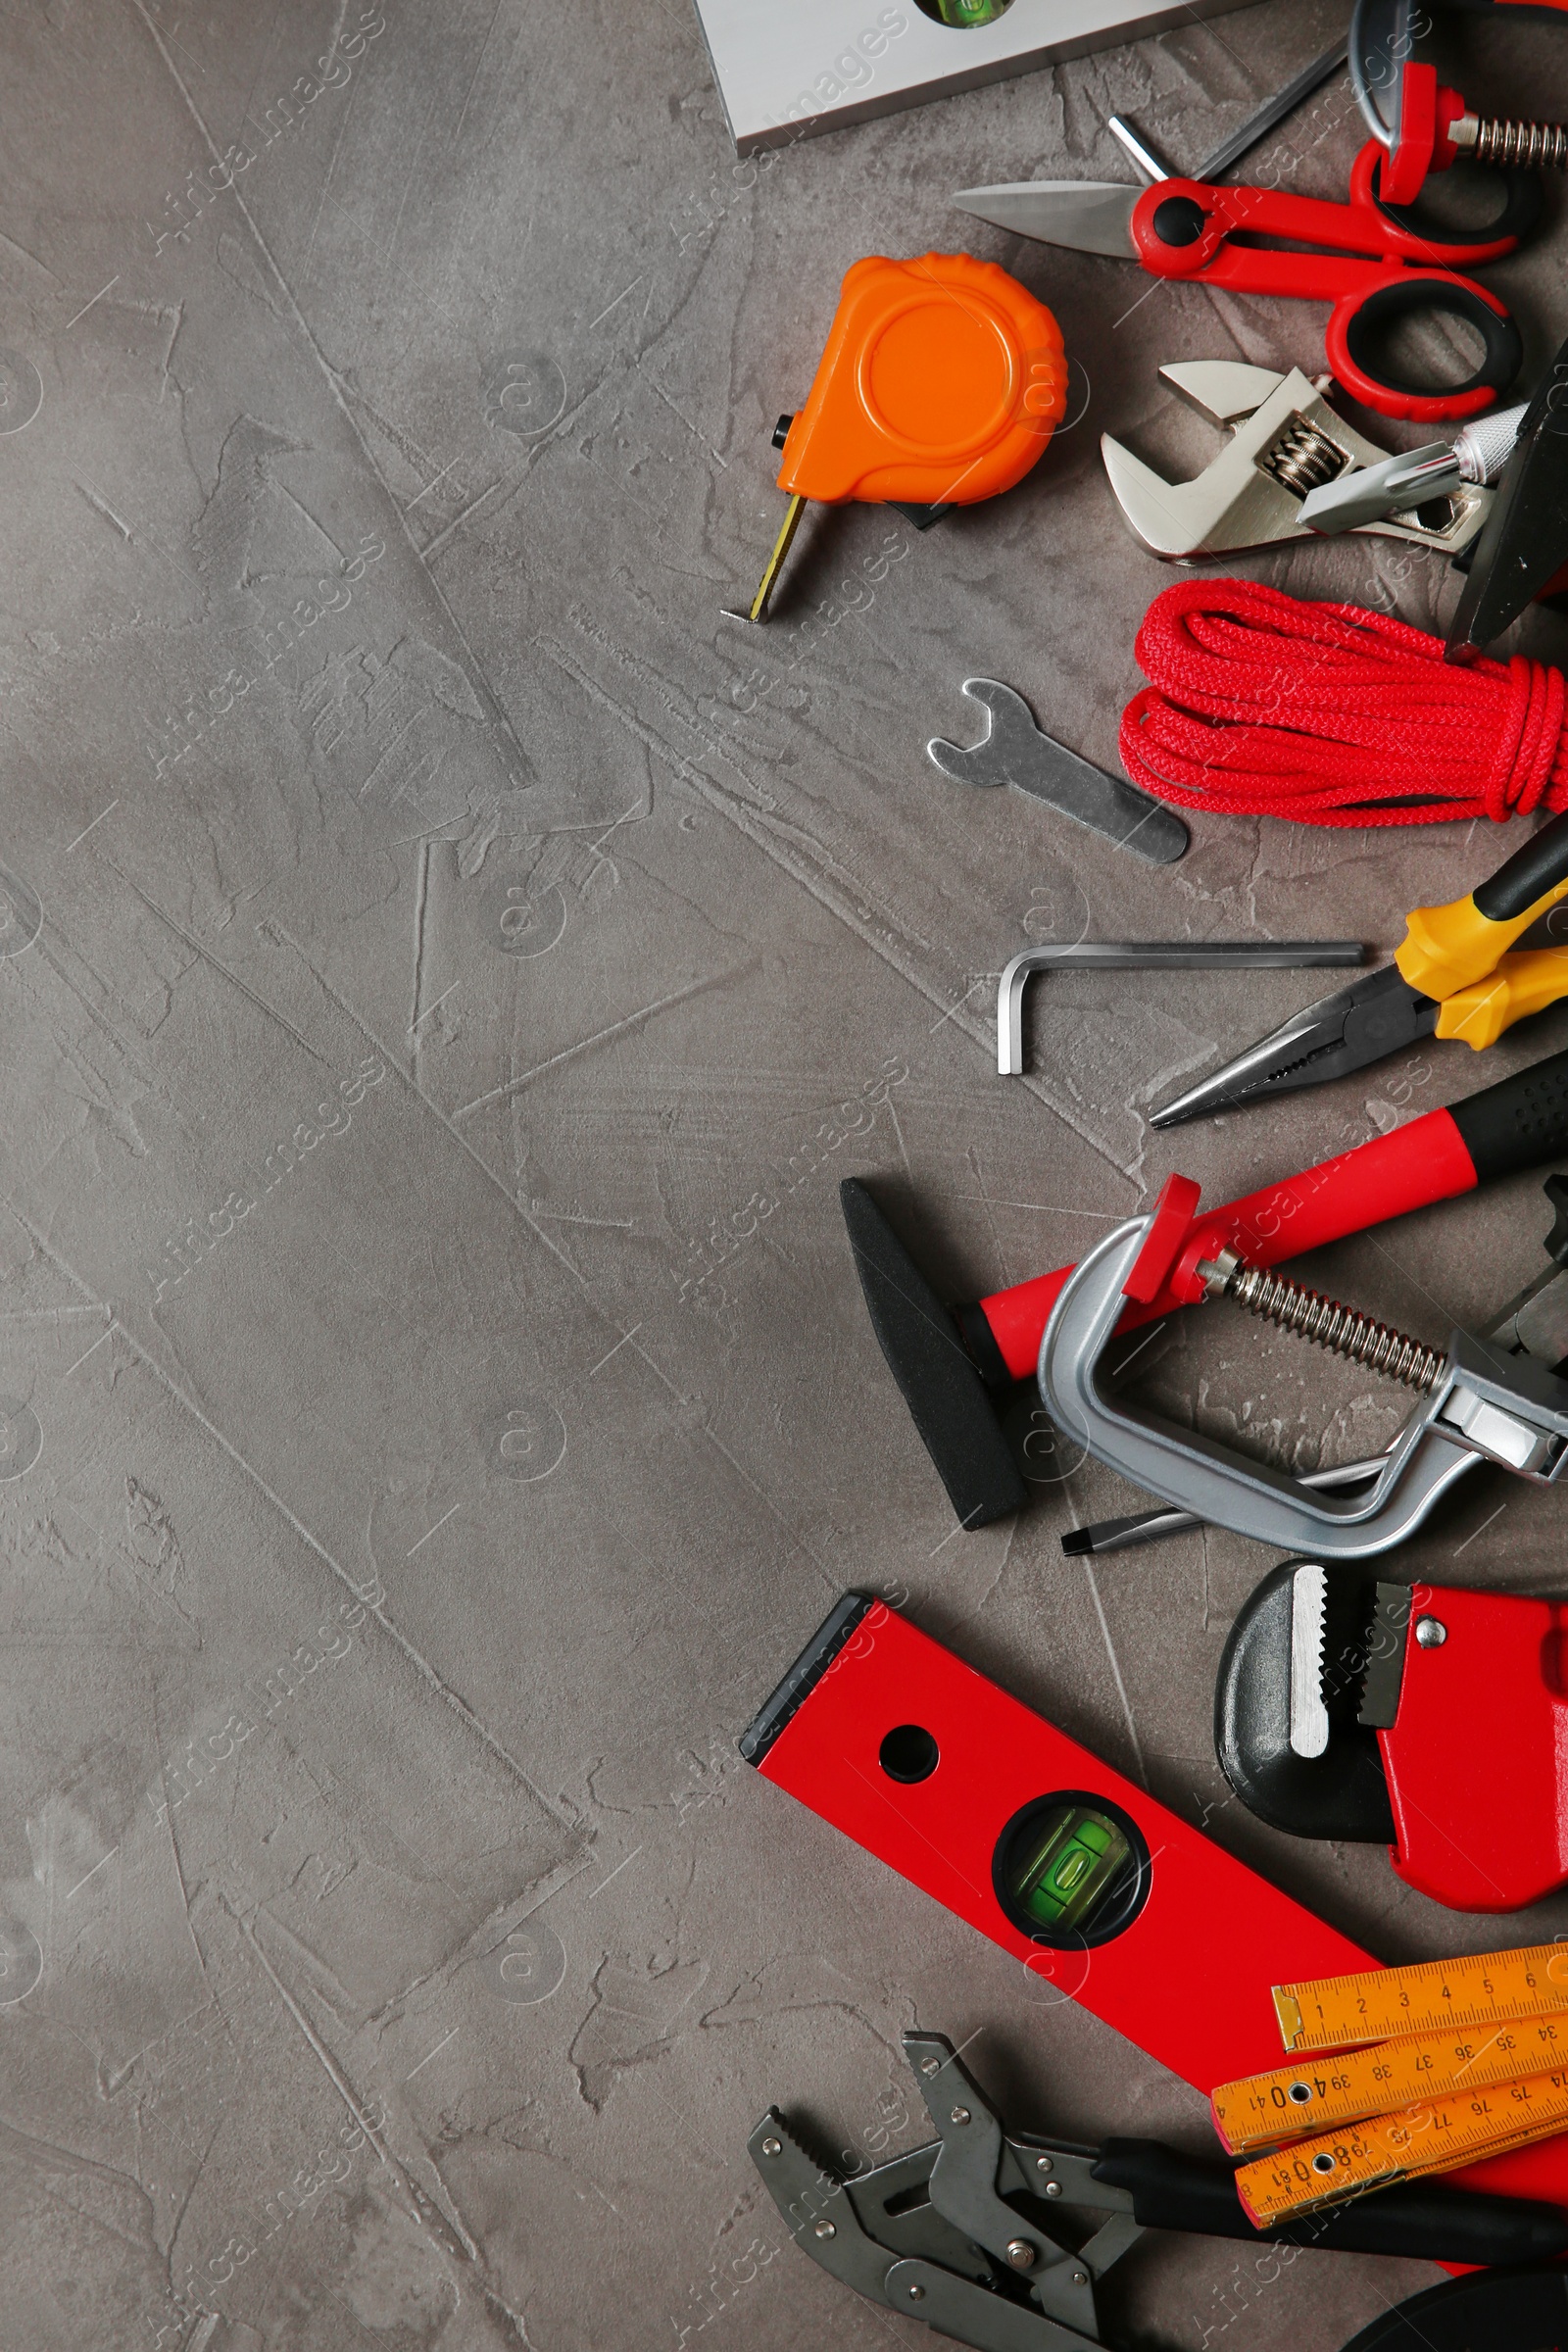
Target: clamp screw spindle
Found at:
x=1292, y=1308
x=1525, y=145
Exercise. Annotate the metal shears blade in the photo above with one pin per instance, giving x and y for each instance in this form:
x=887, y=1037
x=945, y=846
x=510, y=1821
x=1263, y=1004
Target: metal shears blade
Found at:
x=1086, y=216
x=1377, y=1014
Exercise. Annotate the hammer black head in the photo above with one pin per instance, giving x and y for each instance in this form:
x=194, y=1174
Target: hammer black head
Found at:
x=941, y=1382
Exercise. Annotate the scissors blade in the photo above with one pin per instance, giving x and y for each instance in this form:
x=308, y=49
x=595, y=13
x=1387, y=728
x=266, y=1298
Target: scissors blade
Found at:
x=1087, y=216
x=1374, y=1016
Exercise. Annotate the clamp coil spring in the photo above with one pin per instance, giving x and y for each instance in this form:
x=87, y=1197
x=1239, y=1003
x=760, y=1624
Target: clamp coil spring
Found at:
x=1303, y=459
x=1291, y=1306
x=1527, y=145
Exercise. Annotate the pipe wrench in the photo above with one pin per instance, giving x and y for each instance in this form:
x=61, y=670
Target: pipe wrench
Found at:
x=1422, y=1717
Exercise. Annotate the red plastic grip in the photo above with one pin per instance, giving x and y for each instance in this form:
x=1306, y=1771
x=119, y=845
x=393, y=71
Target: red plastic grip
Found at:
x=1409, y=157
x=1415, y=1166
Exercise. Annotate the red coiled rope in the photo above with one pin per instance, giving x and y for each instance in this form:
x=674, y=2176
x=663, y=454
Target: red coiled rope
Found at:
x=1262, y=706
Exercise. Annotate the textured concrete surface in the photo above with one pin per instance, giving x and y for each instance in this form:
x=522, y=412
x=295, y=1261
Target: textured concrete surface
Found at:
x=449, y=971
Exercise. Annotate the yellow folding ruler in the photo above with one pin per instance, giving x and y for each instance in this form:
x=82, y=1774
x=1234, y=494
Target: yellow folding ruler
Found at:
x=1469, y=2058
x=1263, y=2110
x=1336, y=2013
x=1430, y=2138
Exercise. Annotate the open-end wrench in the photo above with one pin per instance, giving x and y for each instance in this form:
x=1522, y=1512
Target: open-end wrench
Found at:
x=1014, y=750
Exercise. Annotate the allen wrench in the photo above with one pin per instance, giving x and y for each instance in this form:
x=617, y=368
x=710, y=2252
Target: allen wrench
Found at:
x=1134, y=955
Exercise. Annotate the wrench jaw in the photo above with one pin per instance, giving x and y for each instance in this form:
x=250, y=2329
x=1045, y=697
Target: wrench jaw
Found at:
x=1224, y=1487
x=1285, y=440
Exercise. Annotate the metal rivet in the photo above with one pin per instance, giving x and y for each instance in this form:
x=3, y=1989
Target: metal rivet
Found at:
x=1080, y=2278
x=916, y=2293
x=1053, y=2188
x=930, y=2066
x=1301, y=2092
x=960, y=2115
x=1431, y=1632
x=826, y=2229
x=772, y=2147
x=1042, y=2164
x=1021, y=2253
x=1323, y=2162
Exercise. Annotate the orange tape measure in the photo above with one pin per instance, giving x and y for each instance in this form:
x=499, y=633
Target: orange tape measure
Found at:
x=1489, y=1988
x=941, y=381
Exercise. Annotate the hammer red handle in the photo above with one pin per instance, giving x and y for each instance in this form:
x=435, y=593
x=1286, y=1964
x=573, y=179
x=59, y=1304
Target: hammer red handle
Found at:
x=1516, y=1124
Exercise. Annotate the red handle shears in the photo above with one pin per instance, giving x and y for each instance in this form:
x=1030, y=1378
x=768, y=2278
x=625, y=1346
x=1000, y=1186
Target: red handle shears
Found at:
x=1374, y=270
x=1378, y=263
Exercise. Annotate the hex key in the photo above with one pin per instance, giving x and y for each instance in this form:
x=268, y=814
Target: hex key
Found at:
x=1131, y=955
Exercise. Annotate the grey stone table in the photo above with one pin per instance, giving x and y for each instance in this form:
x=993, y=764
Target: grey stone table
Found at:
x=449, y=971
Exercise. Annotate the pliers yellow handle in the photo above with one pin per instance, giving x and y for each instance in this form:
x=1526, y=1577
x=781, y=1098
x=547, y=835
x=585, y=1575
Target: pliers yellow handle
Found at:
x=1448, y=951
x=1521, y=983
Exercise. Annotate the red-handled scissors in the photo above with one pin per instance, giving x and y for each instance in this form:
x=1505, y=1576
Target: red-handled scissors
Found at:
x=1375, y=262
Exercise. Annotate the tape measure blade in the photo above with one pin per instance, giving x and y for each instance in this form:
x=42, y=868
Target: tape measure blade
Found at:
x=1485, y=1989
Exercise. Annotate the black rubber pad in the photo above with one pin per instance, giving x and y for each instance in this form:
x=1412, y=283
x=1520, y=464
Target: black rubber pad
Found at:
x=945, y=1396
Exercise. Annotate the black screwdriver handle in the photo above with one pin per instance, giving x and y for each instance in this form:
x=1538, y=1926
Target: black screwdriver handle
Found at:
x=1416, y=2218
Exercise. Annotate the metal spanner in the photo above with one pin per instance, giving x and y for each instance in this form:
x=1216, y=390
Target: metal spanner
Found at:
x=1286, y=442
x=1014, y=750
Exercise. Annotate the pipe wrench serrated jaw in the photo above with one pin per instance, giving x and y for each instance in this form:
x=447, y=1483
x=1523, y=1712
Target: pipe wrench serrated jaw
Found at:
x=1478, y=1403
x=1285, y=442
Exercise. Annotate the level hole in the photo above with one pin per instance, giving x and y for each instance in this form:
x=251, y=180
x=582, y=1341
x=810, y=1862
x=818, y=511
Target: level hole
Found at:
x=908, y=1754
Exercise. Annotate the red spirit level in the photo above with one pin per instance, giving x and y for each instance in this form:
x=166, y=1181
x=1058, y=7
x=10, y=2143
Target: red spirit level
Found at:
x=1084, y=1879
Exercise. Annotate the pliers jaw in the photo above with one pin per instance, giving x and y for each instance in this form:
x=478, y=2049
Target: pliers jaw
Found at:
x=1376, y=1016
x=986, y=2253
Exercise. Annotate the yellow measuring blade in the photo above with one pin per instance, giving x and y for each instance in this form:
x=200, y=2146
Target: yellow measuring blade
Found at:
x=1488, y=1988
x=1263, y=2110
x=1429, y=2138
